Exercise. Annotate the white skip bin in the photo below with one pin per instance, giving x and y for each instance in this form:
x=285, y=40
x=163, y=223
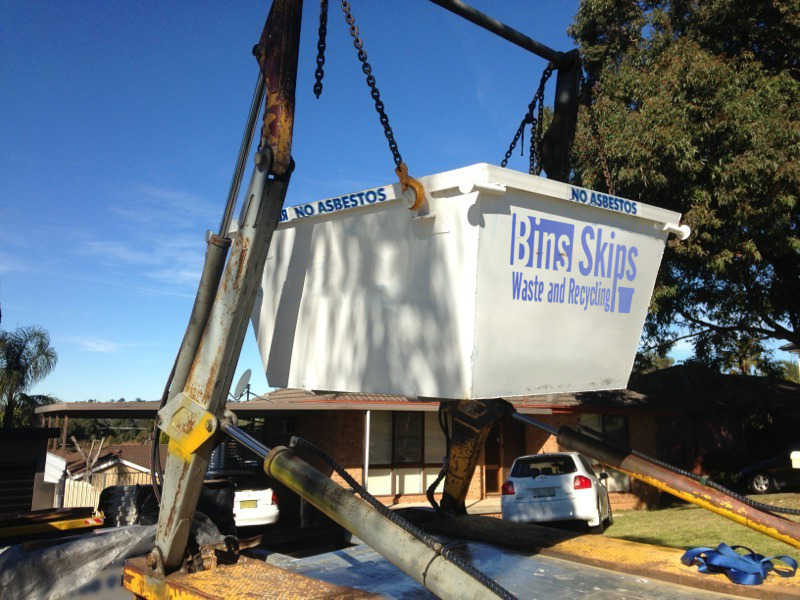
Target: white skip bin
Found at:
x=512, y=285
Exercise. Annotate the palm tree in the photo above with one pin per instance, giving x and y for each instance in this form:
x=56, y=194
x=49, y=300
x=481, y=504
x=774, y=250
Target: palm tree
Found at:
x=25, y=357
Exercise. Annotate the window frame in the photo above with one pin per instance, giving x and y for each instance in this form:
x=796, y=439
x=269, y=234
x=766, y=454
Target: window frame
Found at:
x=393, y=464
x=396, y=463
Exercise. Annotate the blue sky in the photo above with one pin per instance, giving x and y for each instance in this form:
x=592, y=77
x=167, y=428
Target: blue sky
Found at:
x=121, y=122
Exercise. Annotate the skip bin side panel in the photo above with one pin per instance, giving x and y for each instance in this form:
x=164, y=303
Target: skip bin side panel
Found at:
x=563, y=291
x=274, y=317
x=372, y=301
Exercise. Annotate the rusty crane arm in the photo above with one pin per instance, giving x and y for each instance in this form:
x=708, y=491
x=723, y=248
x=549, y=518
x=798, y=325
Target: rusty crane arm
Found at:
x=190, y=417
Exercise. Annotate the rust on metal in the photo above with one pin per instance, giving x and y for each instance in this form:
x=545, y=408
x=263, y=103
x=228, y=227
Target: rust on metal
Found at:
x=242, y=261
x=188, y=425
x=277, y=57
x=218, y=240
x=683, y=487
x=171, y=515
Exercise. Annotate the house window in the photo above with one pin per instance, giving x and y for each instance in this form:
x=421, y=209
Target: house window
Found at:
x=406, y=450
x=380, y=438
x=614, y=429
x=407, y=438
x=435, y=444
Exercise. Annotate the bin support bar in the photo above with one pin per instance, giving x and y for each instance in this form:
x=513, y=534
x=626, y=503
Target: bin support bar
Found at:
x=416, y=559
x=673, y=483
x=504, y=31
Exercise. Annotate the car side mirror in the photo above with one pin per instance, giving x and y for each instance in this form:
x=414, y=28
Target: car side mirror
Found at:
x=603, y=475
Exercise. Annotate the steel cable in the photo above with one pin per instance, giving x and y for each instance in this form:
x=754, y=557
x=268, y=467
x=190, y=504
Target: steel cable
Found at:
x=770, y=508
x=400, y=521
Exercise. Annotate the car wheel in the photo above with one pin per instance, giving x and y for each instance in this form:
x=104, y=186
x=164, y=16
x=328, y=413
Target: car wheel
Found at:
x=761, y=483
x=600, y=527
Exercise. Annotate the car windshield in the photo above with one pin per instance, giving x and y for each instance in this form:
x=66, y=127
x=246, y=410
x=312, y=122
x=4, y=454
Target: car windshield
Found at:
x=543, y=465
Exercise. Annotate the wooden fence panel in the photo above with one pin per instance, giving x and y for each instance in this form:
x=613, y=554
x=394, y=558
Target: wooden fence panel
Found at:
x=78, y=493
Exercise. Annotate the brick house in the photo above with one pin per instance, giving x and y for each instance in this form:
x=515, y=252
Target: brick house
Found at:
x=687, y=415
x=397, y=446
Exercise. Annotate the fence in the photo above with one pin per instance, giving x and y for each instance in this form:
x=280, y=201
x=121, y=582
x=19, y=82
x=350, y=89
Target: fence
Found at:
x=79, y=493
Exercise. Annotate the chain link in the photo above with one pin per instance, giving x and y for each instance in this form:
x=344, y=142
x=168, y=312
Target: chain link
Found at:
x=536, y=124
x=366, y=68
x=513, y=144
x=323, y=31
x=533, y=152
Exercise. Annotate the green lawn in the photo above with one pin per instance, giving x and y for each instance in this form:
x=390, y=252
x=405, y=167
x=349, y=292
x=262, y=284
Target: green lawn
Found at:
x=687, y=526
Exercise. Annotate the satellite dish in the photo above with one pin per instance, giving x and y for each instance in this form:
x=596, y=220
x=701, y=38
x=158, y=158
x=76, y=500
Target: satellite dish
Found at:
x=241, y=385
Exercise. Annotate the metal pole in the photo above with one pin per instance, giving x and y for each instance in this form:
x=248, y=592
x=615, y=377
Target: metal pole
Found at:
x=426, y=565
x=244, y=150
x=535, y=423
x=673, y=483
x=504, y=31
x=64, y=427
x=212, y=366
x=209, y=378
x=244, y=439
x=216, y=253
x=366, y=449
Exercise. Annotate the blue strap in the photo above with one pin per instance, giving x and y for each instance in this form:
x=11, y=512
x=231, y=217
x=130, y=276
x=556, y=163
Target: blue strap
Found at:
x=745, y=569
x=788, y=560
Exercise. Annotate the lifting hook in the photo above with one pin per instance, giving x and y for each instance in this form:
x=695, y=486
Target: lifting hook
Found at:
x=408, y=182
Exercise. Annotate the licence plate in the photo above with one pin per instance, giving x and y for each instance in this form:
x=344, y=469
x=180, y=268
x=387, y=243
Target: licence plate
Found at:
x=547, y=492
x=248, y=504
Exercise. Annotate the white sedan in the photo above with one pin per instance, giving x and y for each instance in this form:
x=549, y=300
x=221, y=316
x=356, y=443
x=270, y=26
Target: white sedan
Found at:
x=255, y=507
x=556, y=487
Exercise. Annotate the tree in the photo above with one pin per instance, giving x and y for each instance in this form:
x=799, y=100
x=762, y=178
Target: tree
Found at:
x=696, y=108
x=789, y=370
x=25, y=412
x=25, y=358
x=649, y=361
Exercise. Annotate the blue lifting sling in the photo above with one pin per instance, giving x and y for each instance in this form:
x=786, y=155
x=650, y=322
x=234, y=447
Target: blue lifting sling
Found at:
x=746, y=569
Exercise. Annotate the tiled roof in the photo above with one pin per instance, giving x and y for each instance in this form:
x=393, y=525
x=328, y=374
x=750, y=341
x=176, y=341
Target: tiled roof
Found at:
x=661, y=392
x=136, y=453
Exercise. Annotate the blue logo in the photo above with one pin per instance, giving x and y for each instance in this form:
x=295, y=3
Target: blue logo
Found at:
x=547, y=245
x=541, y=243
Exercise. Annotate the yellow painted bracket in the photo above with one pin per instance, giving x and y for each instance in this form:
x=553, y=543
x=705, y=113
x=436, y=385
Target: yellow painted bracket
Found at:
x=52, y=526
x=188, y=424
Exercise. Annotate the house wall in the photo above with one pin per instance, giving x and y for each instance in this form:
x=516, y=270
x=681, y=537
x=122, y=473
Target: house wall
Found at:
x=119, y=474
x=341, y=435
x=643, y=437
x=642, y=430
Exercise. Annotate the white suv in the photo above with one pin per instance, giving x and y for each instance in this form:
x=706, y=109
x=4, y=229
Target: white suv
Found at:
x=255, y=507
x=556, y=487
